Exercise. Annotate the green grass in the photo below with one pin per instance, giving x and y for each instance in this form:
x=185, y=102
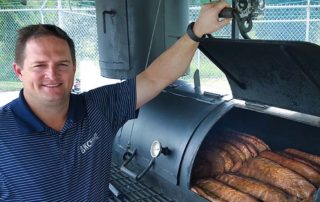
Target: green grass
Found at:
x=10, y=85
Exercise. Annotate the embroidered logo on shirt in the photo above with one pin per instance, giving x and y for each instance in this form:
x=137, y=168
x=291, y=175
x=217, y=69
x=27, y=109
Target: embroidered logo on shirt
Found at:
x=86, y=146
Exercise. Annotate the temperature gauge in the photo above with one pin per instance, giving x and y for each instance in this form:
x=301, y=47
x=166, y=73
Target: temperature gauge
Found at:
x=155, y=149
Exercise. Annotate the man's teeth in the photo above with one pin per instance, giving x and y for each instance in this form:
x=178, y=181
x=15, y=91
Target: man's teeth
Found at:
x=52, y=85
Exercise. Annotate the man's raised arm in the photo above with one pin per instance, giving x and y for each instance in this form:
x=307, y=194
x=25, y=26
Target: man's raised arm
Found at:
x=173, y=63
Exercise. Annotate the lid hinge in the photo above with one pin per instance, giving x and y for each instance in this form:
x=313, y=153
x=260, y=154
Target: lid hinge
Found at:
x=255, y=106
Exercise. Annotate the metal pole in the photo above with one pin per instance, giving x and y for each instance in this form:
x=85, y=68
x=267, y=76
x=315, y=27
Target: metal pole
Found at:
x=198, y=59
x=307, y=21
x=60, y=23
x=41, y=11
x=234, y=27
x=42, y=17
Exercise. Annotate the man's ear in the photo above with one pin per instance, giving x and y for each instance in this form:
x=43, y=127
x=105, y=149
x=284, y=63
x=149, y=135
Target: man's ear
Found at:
x=17, y=70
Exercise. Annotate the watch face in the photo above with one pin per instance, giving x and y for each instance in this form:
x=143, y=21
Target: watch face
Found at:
x=155, y=149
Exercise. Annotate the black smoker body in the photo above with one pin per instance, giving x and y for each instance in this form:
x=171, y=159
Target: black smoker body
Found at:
x=276, y=96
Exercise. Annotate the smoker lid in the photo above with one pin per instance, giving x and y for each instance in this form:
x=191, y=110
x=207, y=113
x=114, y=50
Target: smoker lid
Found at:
x=283, y=74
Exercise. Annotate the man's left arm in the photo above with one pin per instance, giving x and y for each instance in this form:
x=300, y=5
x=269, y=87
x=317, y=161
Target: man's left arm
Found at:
x=173, y=63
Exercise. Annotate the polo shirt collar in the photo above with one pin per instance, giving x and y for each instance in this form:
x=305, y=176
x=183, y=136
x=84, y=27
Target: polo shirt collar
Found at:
x=29, y=123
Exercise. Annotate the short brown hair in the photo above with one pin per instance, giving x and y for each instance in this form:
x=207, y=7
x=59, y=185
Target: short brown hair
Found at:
x=33, y=31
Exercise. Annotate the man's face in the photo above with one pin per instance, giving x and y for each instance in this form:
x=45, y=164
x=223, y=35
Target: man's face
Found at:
x=47, y=71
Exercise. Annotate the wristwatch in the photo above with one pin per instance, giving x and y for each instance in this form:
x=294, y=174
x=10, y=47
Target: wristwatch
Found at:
x=192, y=35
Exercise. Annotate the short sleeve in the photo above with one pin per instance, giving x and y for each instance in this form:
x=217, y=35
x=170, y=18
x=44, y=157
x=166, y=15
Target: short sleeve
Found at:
x=116, y=101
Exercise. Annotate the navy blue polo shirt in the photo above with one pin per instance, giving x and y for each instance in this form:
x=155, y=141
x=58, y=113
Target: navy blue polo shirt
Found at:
x=38, y=163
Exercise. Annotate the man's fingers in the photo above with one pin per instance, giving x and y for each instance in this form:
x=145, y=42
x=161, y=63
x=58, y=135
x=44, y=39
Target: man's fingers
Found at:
x=218, y=6
x=208, y=20
x=224, y=22
x=213, y=2
x=221, y=5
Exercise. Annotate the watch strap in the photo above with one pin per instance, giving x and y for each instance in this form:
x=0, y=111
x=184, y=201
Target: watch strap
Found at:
x=192, y=35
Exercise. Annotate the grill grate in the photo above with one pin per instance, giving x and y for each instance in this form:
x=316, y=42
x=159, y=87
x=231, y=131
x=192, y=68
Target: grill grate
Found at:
x=133, y=191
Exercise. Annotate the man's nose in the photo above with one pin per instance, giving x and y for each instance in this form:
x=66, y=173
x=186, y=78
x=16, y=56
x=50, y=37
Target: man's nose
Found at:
x=52, y=72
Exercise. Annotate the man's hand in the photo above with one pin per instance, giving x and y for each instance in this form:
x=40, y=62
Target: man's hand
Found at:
x=208, y=20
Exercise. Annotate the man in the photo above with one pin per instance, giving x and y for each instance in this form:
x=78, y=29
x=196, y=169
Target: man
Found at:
x=56, y=146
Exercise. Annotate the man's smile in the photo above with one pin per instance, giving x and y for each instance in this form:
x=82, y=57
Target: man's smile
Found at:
x=52, y=85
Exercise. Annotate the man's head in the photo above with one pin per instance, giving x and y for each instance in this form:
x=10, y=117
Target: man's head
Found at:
x=40, y=30
x=45, y=63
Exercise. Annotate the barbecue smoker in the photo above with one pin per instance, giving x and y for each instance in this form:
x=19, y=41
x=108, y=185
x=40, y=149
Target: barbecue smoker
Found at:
x=276, y=95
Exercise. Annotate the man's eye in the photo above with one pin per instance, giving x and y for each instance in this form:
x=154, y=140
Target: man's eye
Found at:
x=63, y=65
x=38, y=67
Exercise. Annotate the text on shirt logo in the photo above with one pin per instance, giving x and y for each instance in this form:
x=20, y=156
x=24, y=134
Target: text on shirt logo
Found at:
x=86, y=146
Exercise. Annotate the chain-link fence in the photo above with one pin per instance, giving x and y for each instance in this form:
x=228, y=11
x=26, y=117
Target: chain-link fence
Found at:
x=78, y=22
x=285, y=22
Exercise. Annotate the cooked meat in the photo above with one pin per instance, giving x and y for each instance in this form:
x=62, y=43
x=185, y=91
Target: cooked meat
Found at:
x=310, y=199
x=212, y=162
x=233, y=152
x=224, y=191
x=209, y=164
x=213, y=152
x=253, y=151
x=253, y=187
x=302, y=160
x=256, y=142
x=313, y=158
x=272, y=173
x=203, y=169
x=242, y=147
x=262, y=143
x=210, y=196
x=238, y=151
x=306, y=171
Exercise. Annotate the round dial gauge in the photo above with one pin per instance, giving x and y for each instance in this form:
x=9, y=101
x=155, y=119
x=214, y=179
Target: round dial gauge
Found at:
x=155, y=149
